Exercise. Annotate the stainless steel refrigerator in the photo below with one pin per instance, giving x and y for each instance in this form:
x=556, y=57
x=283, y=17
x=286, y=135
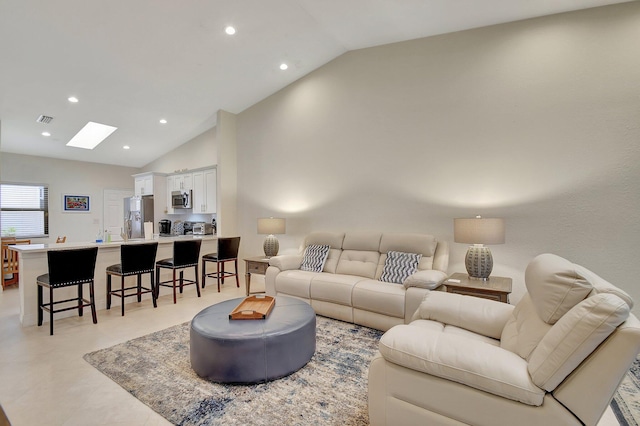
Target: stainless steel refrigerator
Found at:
x=137, y=211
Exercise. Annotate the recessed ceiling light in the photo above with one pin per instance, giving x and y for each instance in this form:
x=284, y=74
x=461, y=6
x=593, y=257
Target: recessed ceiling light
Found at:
x=72, y=99
x=126, y=147
x=91, y=135
x=230, y=30
x=163, y=121
x=284, y=66
x=46, y=134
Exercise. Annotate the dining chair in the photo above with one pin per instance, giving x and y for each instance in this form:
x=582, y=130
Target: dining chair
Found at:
x=67, y=268
x=135, y=259
x=227, y=252
x=10, y=266
x=185, y=255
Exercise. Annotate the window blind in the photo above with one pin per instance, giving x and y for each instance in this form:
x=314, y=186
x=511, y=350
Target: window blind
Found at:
x=24, y=210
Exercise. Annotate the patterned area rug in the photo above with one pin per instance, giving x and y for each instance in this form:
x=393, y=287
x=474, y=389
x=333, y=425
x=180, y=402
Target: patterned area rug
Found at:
x=626, y=401
x=330, y=390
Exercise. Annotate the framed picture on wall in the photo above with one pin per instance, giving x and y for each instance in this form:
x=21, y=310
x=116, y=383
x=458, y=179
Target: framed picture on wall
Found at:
x=76, y=203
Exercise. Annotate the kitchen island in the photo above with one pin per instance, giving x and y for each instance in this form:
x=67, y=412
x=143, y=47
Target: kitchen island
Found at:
x=32, y=260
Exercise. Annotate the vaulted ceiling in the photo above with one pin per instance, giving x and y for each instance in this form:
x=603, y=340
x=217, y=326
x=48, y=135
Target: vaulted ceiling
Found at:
x=132, y=63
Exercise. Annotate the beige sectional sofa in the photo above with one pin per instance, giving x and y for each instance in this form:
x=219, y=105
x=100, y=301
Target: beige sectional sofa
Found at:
x=348, y=288
x=556, y=358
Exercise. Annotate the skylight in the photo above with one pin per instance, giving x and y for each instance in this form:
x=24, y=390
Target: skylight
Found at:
x=91, y=135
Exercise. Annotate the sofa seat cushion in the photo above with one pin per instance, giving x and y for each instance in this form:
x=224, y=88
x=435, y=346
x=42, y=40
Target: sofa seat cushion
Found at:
x=379, y=297
x=460, y=359
x=334, y=288
x=295, y=283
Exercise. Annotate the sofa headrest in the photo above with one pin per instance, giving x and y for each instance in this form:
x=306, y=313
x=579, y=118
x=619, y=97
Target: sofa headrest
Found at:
x=556, y=285
x=362, y=241
x=409, y=243
x=332, y=239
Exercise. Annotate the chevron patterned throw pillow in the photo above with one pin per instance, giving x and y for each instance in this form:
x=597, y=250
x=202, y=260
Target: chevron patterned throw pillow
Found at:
x=398, y=266
x=314, y=257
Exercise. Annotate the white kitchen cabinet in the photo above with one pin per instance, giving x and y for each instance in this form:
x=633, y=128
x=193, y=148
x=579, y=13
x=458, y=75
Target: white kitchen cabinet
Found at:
x=184, y=182
x=143, y=184
x=204, y=191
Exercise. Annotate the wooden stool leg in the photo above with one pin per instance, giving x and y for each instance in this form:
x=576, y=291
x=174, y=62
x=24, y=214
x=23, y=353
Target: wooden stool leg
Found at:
x=80, y=302
x=235, y=263
x=196, y=279
x=39, y=305
x=181, y=280
x=108, y=291
x=92, y=301
x=204, y=272
x=218, y=275
x=122, y=294
x=139, y=288
x=153, y=289
x=174, y=286
x=50, y=311
x=157, y=282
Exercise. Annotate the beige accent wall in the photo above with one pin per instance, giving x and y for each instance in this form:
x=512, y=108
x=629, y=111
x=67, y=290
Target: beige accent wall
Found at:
x=71, y=178
x=198, y=152
x=536, y=121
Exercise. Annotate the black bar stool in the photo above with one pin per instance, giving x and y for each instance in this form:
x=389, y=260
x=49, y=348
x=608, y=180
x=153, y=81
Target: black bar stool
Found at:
x=185, y=255
x=68, y=268
x=227, y=252
x=135, y=259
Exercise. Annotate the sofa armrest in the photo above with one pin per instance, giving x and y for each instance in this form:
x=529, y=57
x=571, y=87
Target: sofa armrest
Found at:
x=286, y=262
x=462, y=360
x=482, y=316
x=429, y=279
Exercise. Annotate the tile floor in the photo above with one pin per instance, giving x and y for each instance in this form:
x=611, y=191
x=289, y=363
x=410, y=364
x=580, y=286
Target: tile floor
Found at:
x=45, y=381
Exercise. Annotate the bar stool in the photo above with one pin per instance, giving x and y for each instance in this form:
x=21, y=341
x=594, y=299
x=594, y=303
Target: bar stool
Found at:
x=135, y=259
x=185, y=255
x=227, y=252
x=68, y=268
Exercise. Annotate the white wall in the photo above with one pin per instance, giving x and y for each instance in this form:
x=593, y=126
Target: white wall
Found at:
x=535, y=121
x=71, y=178
x=196, y=153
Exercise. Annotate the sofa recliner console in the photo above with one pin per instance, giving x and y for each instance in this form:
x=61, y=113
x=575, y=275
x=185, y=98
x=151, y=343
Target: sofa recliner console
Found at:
x=348, y=288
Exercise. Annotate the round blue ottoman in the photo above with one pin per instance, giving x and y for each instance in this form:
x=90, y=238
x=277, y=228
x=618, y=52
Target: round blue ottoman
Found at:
x=252, y=351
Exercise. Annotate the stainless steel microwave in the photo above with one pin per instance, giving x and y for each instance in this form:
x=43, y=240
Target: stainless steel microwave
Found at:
x=181, y=199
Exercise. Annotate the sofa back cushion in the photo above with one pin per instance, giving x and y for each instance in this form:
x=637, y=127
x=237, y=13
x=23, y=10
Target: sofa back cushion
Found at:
x=555, y=286
x=524, y=330
x=408, y=243
x=574, y=337
x=360, y=255
x=333, y=240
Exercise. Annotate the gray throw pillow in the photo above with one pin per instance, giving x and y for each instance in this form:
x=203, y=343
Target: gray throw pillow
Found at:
x=399, y=266
x=314, y=257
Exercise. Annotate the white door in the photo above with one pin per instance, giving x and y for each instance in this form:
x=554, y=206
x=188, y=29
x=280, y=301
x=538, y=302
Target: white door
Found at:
x=114, y=211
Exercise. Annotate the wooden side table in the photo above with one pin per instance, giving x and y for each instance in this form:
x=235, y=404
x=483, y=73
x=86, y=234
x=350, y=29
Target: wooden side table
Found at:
x=495, y=288
x=255, y=265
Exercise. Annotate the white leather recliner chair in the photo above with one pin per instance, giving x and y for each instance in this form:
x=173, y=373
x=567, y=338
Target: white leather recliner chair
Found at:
x=556, y=358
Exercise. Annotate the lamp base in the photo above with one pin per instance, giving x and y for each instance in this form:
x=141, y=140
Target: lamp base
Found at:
x=271, y=246
x=479, y=262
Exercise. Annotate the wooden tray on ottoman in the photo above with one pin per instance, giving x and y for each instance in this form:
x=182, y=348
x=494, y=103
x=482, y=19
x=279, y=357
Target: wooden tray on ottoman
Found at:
x=253, y=307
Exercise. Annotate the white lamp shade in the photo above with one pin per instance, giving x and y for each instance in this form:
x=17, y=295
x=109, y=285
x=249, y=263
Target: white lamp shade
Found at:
x=271, y=225
x=478, y=231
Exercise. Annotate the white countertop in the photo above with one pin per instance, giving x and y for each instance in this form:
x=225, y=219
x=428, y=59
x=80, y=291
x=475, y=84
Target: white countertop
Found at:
x=36, y=248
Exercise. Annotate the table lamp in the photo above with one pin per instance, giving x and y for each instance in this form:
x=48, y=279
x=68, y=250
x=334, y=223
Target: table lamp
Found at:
x=270, y=226
x=478, y=231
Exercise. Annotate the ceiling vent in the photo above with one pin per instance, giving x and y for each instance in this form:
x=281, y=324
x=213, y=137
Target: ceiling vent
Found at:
x=44, y=119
